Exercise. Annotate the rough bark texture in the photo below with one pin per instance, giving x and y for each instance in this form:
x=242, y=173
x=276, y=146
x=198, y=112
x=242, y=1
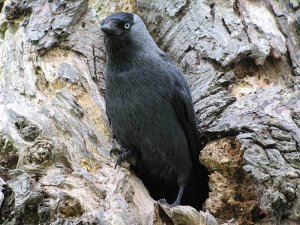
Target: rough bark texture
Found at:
x=242, y=61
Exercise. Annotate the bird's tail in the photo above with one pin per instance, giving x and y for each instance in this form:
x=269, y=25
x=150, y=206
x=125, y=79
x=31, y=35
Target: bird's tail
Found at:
x=197, y=189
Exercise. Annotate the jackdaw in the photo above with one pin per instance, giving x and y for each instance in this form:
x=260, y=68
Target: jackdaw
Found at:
x=149, y=106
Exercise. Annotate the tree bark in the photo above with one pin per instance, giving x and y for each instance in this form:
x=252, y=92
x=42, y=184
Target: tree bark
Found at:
x=242, y=61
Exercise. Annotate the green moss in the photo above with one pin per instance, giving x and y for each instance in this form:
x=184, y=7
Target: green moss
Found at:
x=11, y=27
x=8, y=153
x=3, y=29
x=14, y=27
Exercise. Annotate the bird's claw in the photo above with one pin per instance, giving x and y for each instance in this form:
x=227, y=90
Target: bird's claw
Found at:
x=163, y=201
x=122, y=156
x=174, y=204
x=120, y=159
x=115, y=151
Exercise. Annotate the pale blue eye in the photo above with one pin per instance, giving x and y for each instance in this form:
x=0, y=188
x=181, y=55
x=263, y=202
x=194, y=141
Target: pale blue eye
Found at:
x=127, y=25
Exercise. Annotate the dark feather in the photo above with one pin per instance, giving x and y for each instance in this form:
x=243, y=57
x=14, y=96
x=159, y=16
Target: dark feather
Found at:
x=150, y=107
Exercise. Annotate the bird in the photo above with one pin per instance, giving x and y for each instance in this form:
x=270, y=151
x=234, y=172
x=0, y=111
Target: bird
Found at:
x=150, y=107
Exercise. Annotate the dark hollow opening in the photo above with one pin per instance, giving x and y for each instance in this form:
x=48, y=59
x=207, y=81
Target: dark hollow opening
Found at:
x=160, y=189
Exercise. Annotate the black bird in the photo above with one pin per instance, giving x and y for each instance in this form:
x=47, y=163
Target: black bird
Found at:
x=149, y=105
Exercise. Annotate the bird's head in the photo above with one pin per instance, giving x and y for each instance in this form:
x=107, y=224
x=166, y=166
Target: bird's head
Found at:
x=119, y=24
x=126, y=32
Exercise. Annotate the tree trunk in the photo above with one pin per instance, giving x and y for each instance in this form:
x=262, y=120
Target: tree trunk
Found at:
x=242, y=61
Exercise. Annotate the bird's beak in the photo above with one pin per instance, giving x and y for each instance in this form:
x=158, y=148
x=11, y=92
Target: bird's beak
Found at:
x=109, y=27
x=105, y=26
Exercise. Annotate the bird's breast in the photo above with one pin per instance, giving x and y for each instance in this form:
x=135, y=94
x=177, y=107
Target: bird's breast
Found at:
x=135, y=107
x=132, y=99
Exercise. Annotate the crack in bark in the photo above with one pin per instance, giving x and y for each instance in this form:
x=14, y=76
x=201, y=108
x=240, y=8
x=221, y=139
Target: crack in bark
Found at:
x=245, y=26
x=212, y=13
x=226, y=27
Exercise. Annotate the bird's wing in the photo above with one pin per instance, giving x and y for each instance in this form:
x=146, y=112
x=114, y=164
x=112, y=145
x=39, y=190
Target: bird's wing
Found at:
x=183, y=106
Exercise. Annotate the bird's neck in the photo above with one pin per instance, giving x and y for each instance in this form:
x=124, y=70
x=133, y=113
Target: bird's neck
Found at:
x=126, y=54
x=122, y=55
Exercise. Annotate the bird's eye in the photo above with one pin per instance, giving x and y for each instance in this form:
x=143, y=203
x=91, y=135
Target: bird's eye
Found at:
x=127, y=25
